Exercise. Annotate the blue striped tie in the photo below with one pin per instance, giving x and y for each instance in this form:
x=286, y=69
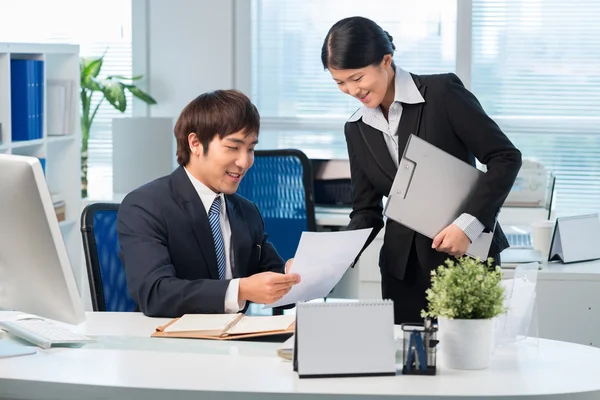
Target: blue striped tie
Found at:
x=214, y=218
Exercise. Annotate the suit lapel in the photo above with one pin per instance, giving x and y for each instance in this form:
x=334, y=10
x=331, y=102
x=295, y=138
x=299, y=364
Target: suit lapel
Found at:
x=407, y=126
x=376, y=144
x=410, y=121
x=189, y=201
x=240, y=239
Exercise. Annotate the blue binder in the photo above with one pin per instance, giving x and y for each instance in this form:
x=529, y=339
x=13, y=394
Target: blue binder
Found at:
x=19, y=100
x=39, y=99
x=27, y=99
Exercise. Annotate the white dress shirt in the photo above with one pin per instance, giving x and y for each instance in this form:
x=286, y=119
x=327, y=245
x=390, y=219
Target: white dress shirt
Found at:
x=405, y=91
x=232, y=305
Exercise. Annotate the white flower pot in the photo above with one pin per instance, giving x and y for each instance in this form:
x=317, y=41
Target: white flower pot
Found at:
x=465, y=343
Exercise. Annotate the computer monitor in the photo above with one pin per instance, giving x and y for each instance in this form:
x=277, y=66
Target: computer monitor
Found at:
x=35, y=273
x=517, y=219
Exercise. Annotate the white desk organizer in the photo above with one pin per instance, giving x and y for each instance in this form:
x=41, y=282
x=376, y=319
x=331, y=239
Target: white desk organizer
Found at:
x=345, y=339
x=520, y=321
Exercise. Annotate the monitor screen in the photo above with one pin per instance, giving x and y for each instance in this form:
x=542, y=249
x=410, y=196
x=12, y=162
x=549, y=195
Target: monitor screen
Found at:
x=36, y=276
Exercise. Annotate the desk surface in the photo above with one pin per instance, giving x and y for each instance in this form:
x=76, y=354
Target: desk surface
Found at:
x=557, y=271
x=126, y=363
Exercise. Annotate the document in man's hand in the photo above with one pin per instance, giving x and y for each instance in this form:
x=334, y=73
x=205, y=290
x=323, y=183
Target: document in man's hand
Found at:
x=226, y=326
x=321, y=260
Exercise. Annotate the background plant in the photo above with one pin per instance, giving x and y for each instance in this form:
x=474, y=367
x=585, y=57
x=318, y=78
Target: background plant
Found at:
x=112, y=89
x=467, y=289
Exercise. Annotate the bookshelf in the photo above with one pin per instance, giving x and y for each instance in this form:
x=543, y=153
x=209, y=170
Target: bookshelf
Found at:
x=56, y=137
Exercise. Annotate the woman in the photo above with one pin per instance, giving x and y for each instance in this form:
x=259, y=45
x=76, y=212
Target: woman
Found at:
x=358, y=54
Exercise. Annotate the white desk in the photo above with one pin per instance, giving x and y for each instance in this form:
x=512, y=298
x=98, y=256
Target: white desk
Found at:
x=126, y=363
x=568, y=295
x=568, y=301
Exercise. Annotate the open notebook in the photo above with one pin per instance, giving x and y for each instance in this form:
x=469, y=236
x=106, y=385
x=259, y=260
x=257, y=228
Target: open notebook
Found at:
x=226, y=326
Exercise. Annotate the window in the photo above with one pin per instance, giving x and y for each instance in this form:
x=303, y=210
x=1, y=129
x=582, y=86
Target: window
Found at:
x=536, y=70
x=535, y=67
x=288, y=77
x=96, y=29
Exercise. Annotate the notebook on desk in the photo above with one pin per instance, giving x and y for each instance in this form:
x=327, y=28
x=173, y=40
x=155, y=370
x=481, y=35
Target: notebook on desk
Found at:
x=344, y=339
x=226, y=326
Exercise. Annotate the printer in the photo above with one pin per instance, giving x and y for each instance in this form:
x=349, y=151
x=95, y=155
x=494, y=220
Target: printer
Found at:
x=331, y=182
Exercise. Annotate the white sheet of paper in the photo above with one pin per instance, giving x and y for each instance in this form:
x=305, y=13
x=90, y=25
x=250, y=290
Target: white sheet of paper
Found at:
x=201, y=322
x=218, y=322
x=321, y=260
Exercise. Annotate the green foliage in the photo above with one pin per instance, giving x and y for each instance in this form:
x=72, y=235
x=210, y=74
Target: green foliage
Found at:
x=110, y=88
x=469, y=289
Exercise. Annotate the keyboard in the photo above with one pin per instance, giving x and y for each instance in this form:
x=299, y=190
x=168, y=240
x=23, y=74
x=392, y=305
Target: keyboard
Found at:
x=519, y=240
x=43, y=333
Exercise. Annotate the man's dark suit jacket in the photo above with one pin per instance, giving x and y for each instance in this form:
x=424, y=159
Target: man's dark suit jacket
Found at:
x=452, y=119
x=168, y=251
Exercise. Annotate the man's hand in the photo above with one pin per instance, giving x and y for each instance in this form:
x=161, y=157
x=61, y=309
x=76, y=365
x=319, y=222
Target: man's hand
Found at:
x=451, y=240
x=266, y=287
x=288, y=265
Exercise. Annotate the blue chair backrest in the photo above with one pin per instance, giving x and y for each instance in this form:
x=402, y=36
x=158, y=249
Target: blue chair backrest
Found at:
x=280, y=184
x=108, y=283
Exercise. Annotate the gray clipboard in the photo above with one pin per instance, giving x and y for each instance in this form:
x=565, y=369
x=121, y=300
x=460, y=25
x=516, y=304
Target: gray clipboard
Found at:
x=430, y=190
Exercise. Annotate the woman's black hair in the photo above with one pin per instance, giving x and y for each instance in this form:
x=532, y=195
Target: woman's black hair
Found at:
x=355, y=42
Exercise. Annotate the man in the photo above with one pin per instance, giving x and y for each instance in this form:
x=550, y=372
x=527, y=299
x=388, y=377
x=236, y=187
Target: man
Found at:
x=189, y=244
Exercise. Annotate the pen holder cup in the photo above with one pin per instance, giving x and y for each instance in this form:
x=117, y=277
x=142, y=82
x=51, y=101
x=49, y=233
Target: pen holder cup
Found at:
x=419, y=349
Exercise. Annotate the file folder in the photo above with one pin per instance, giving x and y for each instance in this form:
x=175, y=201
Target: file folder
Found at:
x=431, y=189
x=226, y=326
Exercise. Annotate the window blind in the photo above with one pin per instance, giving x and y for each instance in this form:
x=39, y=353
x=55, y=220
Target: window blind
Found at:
x=536, y=70
x=288, y=79
x=535, y=67
x=97, y=30
x=117, y=61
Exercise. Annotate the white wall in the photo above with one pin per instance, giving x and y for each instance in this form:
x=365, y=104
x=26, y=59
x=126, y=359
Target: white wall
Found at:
x=184, y=48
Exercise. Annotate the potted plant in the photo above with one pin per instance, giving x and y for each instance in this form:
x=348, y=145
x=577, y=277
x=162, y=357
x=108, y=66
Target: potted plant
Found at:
x=465, y=295
x=111, y=88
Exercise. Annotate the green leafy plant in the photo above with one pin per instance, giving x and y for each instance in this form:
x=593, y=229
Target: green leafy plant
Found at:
x=467, y=289
x=110, y=88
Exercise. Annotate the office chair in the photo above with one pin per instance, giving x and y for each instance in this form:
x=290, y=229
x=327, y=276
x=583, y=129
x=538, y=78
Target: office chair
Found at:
x=280, y=183
x=106, y=275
